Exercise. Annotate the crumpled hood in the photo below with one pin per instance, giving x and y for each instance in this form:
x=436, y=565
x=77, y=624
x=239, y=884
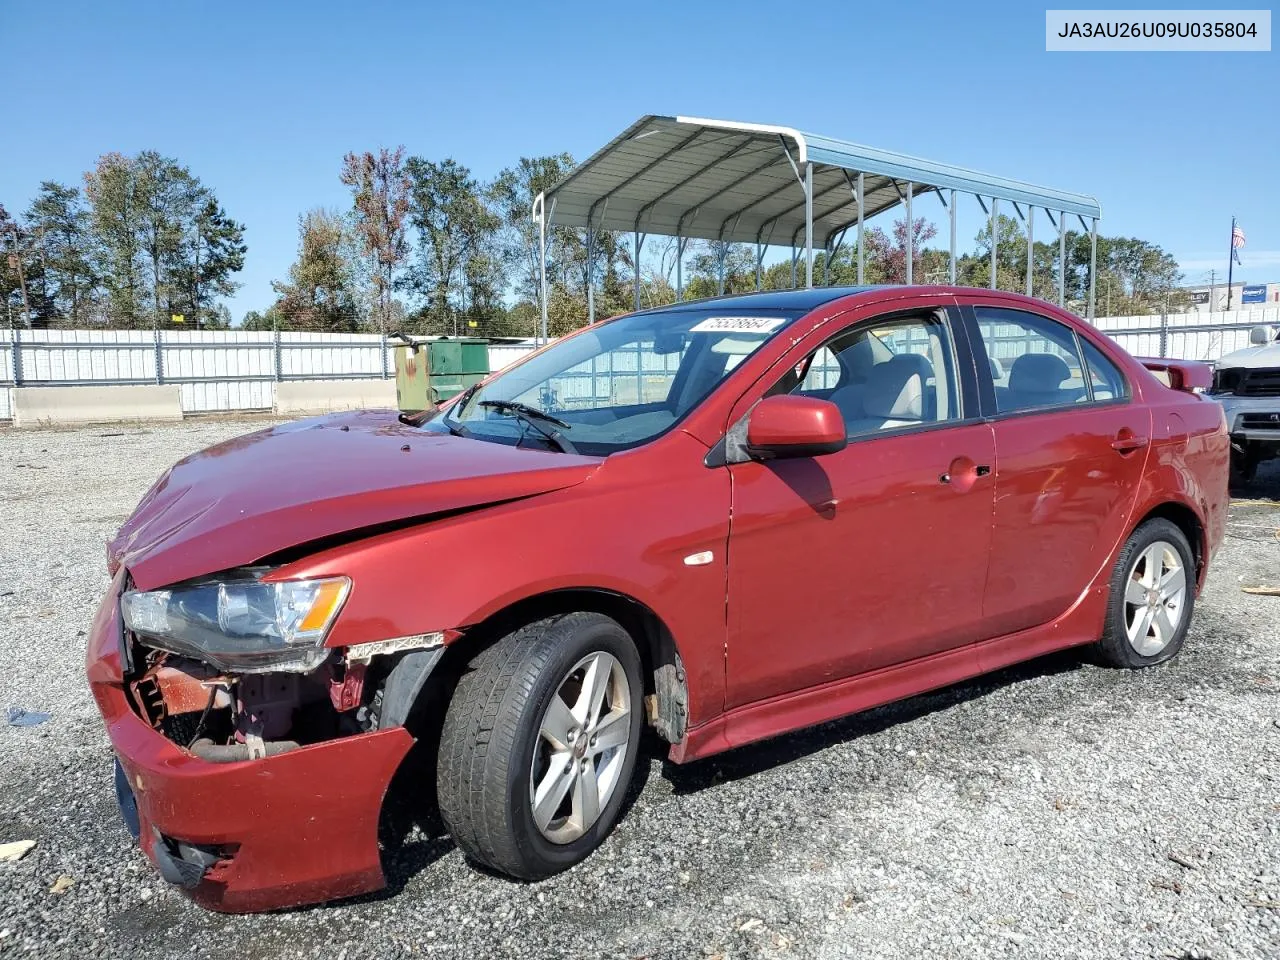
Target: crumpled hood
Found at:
x=1253, y=358
x=247, y=498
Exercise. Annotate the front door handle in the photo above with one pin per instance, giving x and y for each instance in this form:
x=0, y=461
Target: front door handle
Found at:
x=962, y=473
x=979, y=470
x=1127, y=441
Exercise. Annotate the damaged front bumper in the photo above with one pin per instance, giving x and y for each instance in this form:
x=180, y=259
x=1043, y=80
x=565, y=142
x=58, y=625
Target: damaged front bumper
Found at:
x=279, y=831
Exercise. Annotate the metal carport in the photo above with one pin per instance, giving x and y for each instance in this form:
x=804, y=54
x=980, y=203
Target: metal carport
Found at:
x=767, y=185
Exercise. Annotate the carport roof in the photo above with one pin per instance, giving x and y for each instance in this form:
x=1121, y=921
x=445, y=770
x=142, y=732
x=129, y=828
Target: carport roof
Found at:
x=724, y=180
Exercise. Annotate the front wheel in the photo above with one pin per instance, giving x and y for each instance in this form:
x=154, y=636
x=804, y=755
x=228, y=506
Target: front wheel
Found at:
x=1244, y=464
x=1152, y=597
x=539, y=744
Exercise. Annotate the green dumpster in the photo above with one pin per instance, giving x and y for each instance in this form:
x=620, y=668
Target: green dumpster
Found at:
x=430, y=370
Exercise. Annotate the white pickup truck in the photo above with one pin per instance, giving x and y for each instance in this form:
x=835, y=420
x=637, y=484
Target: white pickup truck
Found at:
x=1247, y=384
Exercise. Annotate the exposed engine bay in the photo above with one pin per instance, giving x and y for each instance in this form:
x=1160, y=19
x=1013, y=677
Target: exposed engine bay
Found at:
x=222, y=717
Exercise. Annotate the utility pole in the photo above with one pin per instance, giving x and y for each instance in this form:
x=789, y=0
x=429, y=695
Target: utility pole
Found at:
x=15, y=262
x=1231, y=259
x=1213, y=291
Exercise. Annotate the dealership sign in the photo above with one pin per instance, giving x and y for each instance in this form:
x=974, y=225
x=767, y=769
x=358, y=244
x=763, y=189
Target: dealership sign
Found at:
x=1254, y=294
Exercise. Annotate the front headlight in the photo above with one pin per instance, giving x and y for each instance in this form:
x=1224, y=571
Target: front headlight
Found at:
x=240, y=623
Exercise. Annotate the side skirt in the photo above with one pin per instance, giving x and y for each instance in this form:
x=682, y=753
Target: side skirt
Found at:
x=1080, y=624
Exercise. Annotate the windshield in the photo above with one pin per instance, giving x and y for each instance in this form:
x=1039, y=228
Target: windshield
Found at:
x=619, y=384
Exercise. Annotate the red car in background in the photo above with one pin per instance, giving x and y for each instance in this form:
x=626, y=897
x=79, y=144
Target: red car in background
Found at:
x=724, y=519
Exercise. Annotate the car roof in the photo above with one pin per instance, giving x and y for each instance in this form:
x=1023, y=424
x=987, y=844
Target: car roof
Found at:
x=800, y=299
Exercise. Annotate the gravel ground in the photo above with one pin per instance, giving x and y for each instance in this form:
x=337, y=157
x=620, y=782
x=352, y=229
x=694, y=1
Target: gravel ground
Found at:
x=1053, y=810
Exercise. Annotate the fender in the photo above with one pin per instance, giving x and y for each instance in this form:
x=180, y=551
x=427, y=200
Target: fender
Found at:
x=619, y=531
x=1188, y=466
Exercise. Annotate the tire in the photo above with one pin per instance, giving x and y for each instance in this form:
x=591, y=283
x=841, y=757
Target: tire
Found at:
x=1244, y=466
x=494, y=753
x=1145, y=623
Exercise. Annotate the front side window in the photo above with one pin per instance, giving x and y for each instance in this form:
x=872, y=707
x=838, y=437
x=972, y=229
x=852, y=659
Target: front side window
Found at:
x=883, y=375
x=1034, y=361
x=619, y=384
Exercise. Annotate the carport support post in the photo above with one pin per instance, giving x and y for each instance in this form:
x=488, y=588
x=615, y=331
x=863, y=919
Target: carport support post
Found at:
x=808, y=225
x=679, y=267
x=759, y=258
x=951, y=266
x=541, y=204
x=794, y=256
x=995, y=237
x=862, y=250
x=1062, y=258
x=907, y=242
x=591, y=284
x=636, y=265
x=1031, y=244
x=1093, y=267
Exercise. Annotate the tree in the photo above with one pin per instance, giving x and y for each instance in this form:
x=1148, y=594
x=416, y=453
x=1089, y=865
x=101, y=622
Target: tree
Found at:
x=215, y=252
x=158, y=238
x=456, y=256
x=887, y=258
x=714, y=256
x=320, y=293
x=116, y=212
x=22, y=275
x=512, y=195
x=380, y=189
x=271, y=319
x=61, y=223
x=168, y=194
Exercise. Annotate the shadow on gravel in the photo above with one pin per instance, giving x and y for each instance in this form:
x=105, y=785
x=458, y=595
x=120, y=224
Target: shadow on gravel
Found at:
x=759, y=757
x=1264, y=486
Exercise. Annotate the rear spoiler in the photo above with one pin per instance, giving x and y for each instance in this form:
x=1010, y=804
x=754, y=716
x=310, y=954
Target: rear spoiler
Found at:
x=1190, y=376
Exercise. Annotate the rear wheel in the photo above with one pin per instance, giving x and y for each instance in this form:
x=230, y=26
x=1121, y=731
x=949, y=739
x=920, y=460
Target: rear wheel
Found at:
x=1152, y=597
x=539, y=744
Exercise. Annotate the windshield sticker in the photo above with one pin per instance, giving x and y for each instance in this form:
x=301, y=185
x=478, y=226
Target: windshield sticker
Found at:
x=738, y=325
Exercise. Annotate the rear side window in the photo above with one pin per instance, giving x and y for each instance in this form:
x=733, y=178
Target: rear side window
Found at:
x=1107, y=380
x=1034, y=362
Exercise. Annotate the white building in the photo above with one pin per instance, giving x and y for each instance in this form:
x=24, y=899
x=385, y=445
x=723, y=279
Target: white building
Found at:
x=1206, y=298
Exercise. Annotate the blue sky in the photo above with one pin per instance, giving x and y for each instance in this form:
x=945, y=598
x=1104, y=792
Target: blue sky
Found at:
x=261, y=100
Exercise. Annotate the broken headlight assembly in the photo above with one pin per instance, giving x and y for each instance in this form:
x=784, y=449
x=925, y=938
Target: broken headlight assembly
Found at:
x=239, y=622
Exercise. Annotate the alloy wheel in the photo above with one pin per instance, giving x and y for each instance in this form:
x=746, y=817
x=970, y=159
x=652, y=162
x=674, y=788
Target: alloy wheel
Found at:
x=1154, y=598
x=582, y=746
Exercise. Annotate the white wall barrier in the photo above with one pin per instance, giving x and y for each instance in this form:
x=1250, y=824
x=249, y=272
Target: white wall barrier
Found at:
x=212, y=370
x=1188, y=336
x=238, y=370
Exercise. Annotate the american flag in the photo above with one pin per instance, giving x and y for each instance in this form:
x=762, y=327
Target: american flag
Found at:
x=1237, y=241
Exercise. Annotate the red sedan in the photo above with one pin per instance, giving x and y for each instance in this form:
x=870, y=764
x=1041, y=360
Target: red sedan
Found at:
x=724, y=520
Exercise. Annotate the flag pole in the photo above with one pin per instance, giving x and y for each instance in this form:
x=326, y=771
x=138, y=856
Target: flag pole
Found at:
x=1231, y=259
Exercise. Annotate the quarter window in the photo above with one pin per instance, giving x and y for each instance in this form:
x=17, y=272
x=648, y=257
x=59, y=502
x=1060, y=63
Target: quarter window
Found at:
x=1108, y=382
x=1034, y=361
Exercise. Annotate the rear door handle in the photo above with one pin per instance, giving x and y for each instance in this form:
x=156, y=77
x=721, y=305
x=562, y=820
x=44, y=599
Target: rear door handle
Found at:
x=1128, y=441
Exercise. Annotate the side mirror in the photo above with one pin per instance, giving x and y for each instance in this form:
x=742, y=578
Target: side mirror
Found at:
x=1260, y=335
x=790, y=426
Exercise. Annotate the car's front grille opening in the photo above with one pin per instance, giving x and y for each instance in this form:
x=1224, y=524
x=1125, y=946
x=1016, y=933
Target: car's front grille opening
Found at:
x=1259, y=383
x=1260, y=421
